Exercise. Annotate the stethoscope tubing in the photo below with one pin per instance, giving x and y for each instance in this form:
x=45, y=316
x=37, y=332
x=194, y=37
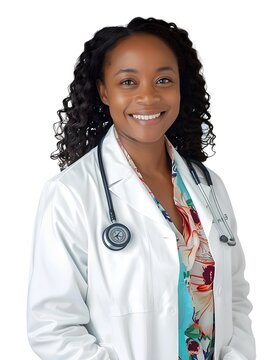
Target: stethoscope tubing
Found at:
x=105, y=184
x=116, y=236
x=230, y=241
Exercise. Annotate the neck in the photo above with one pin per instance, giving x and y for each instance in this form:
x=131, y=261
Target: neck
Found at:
x=151, y=159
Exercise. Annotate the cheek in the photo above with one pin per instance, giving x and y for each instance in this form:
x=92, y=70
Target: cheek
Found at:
x=120, y=102
x=175, y=100
x=174, y=97
x=118, y=107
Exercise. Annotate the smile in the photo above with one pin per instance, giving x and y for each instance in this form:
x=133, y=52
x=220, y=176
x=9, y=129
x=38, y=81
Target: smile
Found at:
x=146, y=117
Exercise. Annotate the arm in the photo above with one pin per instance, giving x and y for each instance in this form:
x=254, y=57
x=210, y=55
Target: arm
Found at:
x=242, y=345
x=56, y=308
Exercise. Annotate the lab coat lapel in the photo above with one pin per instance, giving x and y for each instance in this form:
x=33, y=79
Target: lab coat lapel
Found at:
x=125, y=184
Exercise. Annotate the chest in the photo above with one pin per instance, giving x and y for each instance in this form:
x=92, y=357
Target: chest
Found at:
x=163, y=191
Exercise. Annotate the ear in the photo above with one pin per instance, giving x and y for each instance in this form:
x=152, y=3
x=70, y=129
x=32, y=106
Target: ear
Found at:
x=102, y=91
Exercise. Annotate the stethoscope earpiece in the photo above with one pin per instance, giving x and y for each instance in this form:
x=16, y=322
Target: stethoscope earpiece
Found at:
x=223, y=238
x=232, y=242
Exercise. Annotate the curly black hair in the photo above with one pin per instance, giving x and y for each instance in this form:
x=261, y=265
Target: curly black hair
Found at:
x=87, y=119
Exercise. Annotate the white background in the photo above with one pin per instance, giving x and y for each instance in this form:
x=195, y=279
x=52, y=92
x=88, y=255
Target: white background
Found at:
x=40, y=42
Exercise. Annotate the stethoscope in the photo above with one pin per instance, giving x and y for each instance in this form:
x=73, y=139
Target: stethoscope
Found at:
x=116, y=236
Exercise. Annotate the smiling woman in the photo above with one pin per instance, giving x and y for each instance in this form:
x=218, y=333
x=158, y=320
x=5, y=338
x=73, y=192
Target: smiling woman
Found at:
x=158, y=70
x=174, y=291
x=146, y=107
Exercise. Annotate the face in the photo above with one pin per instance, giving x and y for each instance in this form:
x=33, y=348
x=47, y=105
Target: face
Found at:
x=150, y=87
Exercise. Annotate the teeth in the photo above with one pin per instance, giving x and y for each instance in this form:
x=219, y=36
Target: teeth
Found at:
x=146, y=117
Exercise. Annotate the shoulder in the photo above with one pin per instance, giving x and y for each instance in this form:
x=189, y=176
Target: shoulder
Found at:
x=77, y=169
x=71, y=184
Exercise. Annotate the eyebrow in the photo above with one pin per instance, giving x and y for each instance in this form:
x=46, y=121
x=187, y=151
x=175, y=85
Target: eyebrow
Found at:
x=129, y=70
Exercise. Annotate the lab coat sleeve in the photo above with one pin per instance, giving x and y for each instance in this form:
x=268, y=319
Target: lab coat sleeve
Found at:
x=242, y=344
x=56, y=307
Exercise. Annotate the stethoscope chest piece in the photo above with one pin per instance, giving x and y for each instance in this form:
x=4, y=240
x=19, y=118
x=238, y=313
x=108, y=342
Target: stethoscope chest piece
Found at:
x=116, y=236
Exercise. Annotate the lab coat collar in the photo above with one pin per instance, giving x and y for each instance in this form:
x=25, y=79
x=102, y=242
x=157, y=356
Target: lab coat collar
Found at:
x=125, y=184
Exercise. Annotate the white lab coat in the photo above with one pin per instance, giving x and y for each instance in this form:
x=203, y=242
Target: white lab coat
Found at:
x=87, y=302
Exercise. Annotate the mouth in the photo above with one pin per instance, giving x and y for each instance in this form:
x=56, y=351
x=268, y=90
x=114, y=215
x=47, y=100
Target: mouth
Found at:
x=150, y=119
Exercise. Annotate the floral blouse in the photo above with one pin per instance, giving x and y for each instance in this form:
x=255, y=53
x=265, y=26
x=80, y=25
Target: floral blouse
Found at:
x=197, y=268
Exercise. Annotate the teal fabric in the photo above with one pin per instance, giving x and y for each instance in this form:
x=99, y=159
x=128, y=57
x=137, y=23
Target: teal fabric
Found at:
x=186, y=310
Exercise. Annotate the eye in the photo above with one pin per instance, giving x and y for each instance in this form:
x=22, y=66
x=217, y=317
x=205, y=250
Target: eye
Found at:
x=122, y=83
x=164, y=79
x=125, y=81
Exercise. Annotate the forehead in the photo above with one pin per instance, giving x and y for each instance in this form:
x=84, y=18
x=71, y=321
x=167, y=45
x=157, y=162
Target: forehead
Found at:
x=139, y=51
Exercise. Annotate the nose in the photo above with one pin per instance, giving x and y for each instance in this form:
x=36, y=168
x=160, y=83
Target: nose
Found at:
x=147, y=94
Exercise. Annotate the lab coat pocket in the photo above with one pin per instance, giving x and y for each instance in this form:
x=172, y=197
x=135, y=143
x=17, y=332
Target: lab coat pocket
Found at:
x=129, y=277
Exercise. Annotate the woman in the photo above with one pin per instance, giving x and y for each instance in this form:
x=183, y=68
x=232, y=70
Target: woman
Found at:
x=174, y=291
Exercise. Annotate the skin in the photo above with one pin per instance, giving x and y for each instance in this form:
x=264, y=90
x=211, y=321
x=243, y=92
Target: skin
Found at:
x=144, y=91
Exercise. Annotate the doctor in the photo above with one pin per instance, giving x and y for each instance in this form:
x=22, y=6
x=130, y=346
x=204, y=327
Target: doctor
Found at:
x=174, y=291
